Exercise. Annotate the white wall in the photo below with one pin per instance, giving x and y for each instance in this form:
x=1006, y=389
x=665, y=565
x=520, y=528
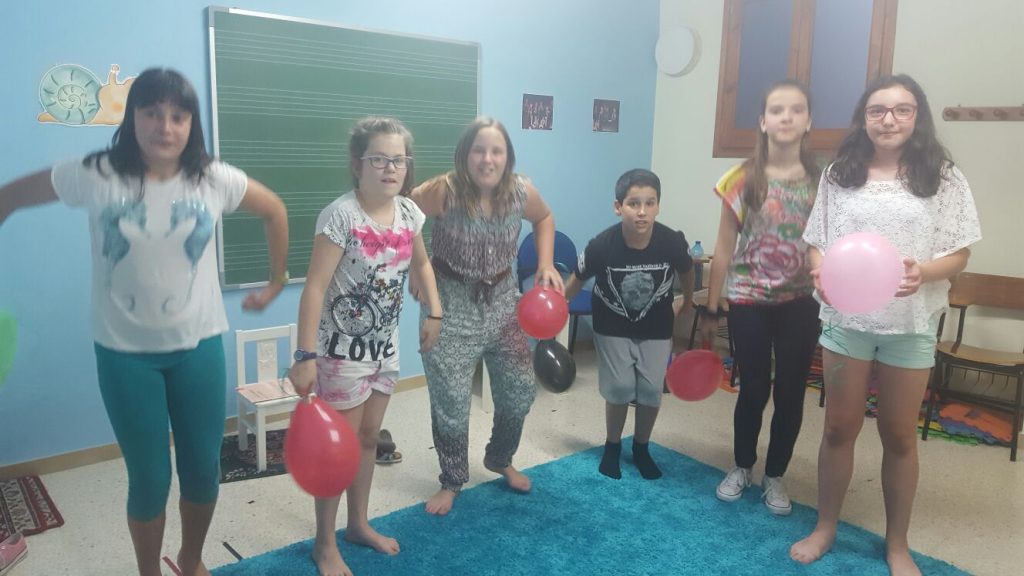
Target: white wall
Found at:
x=684, y=127
x=972, y=56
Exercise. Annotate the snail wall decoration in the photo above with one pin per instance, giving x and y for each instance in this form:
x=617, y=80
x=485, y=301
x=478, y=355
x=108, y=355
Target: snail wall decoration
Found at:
x=72, y=94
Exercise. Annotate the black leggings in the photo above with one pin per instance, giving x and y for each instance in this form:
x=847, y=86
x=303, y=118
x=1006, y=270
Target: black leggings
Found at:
x=791, y=329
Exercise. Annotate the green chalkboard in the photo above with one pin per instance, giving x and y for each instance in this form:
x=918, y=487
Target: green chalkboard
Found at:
x=286, y=91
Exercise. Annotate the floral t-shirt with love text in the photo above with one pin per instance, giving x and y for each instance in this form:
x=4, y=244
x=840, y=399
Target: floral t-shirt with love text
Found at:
x=770, y=263
x=359, y=321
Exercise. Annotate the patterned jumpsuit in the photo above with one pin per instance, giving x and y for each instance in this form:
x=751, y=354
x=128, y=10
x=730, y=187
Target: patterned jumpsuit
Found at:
x=479, y=322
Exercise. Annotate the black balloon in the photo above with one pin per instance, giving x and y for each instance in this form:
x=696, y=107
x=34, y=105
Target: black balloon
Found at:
x=554, y=366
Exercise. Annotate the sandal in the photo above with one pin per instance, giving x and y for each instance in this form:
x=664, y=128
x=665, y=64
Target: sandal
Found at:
x=386, y=449
x=12, y=551
x=389, y=457
x=384, y=442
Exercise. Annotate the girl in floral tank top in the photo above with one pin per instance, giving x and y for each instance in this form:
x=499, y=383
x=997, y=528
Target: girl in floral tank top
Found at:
x=765, y=203
x=769, y=265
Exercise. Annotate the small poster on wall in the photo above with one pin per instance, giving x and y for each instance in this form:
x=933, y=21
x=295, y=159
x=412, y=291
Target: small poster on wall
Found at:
x=537, y=111
x=606, y=115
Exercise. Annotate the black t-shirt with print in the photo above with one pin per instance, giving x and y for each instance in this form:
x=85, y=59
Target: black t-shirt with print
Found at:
x=633, y=288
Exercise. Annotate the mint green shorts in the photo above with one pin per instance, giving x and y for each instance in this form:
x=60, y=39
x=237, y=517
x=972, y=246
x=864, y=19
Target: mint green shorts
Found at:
x=913, y=351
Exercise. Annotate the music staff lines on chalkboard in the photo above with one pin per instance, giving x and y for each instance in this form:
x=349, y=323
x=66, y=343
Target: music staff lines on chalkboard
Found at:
x=305, y=46
x=235, y=97
x=405, y=65
x=338, y=114
x=406, y=73
x=352, y=61
x=241, y=147
x=231, y=100
x=271, y=152
x=348, y=96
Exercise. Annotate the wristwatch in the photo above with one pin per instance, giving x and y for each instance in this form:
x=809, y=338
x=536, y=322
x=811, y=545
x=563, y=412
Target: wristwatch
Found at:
x=303, y=355
x=707, y=313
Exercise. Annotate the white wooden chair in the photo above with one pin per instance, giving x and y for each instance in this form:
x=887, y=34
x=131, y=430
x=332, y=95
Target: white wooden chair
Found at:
x=267, y=394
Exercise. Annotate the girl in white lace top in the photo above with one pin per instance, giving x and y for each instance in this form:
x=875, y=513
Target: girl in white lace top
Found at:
x=923, y=230
x=891, y=177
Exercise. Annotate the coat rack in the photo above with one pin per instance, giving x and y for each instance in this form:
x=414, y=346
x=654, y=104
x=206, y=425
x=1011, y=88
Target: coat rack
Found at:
x=983, y=114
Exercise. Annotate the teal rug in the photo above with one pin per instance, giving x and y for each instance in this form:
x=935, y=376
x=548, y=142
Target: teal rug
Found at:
x=576, y=521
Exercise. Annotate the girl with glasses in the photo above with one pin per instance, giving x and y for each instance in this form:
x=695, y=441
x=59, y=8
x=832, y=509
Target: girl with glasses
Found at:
x=891, y=177
x=366, y=243
x=759, y=252
x=478, y=209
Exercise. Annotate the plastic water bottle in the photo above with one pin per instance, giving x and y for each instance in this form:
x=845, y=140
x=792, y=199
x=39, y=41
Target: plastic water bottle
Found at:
x=697, y=251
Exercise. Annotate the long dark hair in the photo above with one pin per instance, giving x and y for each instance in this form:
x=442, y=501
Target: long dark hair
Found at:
x=755, y=187
x=923, y=158
x=466, y=194
x=359, y=140
x=155, y=86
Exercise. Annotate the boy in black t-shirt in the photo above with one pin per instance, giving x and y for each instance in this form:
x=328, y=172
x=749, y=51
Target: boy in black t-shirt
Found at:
x=633, y=265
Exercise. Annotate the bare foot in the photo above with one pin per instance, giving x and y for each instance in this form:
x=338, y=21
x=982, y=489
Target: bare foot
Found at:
x=367, y=536
x=813, y=547
x=328, y=560
x=901, y=564
x=191, y=570
x=516, y=480
x=441, y=503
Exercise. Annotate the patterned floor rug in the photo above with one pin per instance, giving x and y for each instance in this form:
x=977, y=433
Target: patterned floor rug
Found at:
x=238, y=465
x=26, y=507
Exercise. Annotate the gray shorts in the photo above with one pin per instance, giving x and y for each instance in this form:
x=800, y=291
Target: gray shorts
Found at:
x=632, y=369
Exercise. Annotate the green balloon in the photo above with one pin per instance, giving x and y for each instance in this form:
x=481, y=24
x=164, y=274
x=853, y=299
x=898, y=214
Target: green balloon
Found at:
x=8, y=339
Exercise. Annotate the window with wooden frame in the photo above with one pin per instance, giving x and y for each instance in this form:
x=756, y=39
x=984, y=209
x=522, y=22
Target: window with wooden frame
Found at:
x=834, y=47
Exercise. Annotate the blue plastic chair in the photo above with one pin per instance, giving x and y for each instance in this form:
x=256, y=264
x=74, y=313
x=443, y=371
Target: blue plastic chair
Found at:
x=565, y=260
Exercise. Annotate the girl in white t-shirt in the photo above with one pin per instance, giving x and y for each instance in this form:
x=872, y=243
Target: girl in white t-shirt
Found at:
x=366, y=243
x=153, y=199
x=891, y=177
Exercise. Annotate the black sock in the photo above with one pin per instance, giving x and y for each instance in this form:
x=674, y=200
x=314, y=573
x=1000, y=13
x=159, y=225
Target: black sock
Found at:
x=642, y=458
x=610, y=460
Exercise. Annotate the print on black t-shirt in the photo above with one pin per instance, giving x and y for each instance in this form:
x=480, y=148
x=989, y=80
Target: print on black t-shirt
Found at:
x=633, y=290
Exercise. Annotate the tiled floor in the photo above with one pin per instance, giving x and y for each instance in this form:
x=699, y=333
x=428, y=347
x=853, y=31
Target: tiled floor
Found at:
x=969, y=509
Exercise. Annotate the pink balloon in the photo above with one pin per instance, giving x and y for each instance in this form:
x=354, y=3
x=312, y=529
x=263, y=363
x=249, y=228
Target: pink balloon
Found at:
x=320, y=449
x=694, y=375
x=861, y=273
x=542, y=312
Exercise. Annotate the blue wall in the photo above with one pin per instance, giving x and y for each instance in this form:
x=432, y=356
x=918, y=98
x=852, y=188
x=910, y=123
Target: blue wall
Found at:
x=575, y=50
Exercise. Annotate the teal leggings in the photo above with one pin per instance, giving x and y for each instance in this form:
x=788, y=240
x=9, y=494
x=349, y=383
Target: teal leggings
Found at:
x=141, y=391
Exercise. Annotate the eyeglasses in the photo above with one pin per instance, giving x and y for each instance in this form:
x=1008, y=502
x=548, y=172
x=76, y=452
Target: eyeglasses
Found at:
x=381, y=162
x=901, y=112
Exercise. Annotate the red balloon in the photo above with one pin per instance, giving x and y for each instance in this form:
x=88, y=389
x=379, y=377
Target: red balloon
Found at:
x=542, y=312
x=320, y=449
x=694, y=375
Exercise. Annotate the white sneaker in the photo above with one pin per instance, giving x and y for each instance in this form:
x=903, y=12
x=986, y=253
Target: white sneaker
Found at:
x=732, y=487
x=775, y=497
